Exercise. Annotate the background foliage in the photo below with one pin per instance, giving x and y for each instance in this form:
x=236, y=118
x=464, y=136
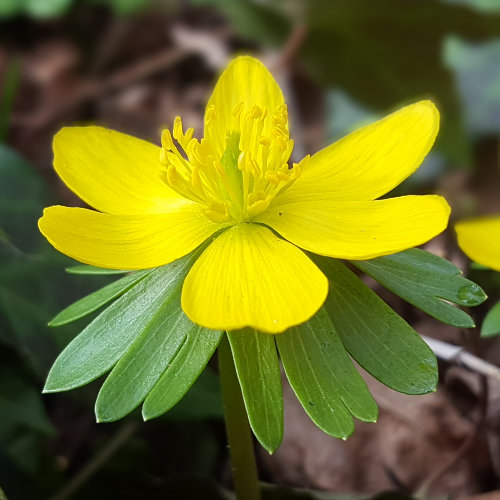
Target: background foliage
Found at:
x=133, y=65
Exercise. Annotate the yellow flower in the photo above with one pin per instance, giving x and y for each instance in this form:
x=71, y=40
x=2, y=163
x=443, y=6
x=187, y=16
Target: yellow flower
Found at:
x=480, y=240
x=155, y=205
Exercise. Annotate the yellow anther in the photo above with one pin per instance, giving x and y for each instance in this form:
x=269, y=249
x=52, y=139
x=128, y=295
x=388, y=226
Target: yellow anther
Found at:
x=210, y=113
x=219, y=168
x=241, y=160
x=237, y=176
x=173, y=177
x=282, y=176
x=264, y=141
x=195, y=179
x=255, y=169
x=272, y=178
x=188, y=136
x=256, y=112
x=166, y=140
x=281, y=143
x=163, y=156
x=258, y=206
x=238, y=109
x=178, y=135
x=217, y=212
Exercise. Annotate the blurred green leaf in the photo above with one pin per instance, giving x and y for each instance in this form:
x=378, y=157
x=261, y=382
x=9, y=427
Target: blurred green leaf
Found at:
x=398, y=50
x=477, y=71
x=253, y=19
x=34, y=8
x=24, y=323
x=20, y=405
x=323, y=376
x=125, y=7
x=46, y=8
x=181, y=372
x=426, y=281
x=110, y=335
x=22, y=194
x=93, y=270
x=98, y=299
x=16, y=482
x=257, y=366
x=491, y=323
x=10, y=8
x=203, y=400
x=481, y=5
x=150, y=355
x=375, y=336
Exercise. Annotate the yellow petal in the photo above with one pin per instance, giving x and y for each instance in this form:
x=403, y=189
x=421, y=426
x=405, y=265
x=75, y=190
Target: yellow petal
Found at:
x=480, y=240
x=112, y=172
x=125, y=241
x=245, y=81
x=360, y=229
x=372, y=160
x=250, y=277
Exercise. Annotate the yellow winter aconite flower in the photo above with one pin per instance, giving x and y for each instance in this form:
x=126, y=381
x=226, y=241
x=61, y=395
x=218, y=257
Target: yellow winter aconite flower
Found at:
x=155, y=205
x=480, y=240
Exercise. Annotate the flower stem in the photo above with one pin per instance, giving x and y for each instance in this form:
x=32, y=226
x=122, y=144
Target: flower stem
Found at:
x=246, y=480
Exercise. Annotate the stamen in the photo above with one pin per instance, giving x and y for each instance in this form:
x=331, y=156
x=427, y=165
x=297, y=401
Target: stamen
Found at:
x=235, y=177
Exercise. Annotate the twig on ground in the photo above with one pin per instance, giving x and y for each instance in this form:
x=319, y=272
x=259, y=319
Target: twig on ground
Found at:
x=94, y=88
x=459, y=356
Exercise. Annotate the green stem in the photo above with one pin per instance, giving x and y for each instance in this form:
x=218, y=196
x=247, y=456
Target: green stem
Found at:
x=246, y=480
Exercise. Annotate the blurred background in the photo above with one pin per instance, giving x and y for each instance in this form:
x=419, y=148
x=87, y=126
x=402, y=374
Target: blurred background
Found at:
x=133, y=65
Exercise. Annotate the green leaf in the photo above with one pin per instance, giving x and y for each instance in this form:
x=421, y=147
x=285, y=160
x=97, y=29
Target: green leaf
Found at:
x=202, y=401
x=254, y=20
x=23, y=324
x=10, y=8
x=93, y=270
x=475, y=66
x=346, y=42
x=47, y=8
x=257, y=366
x=491, y=323
x=109, y=336
x=21, y=405
x=324, y=378
x=375, y=336
x=146, y=360
x=22, y=194
x=126, y=7
x=96, y=300
x=182, y=372
x=426, y=281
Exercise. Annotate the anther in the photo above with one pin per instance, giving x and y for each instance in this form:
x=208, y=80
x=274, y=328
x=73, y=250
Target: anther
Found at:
x=166, y=140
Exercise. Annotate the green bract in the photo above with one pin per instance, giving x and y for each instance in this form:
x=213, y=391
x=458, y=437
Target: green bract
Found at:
x=155, y=353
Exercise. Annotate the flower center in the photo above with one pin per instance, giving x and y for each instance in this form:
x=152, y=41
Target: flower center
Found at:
x=237, y=176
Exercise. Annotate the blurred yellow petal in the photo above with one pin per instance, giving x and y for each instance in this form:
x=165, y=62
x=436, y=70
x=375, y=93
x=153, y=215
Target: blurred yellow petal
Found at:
x=359, y=230
x=125, y=241
x=250, y=277
x=480, y=240
x=372, y=160
x=244, y=84
x=112, y=172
